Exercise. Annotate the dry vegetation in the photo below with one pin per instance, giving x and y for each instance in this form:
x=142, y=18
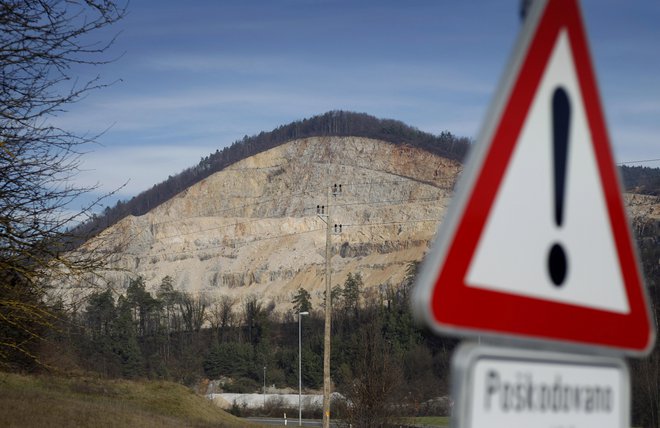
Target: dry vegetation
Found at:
x=38, y=401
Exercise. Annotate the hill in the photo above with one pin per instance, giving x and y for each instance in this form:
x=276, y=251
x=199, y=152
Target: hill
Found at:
x=38, y=401
x=255, y=228
x=333, y=123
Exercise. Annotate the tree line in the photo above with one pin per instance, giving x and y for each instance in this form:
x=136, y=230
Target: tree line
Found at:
x=379, y=355
x=381, y=360
x=641, y=179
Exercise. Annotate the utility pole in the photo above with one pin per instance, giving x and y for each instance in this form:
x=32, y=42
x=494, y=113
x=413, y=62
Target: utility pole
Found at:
x=332, y=191
x=328, y=320
x=300, y=314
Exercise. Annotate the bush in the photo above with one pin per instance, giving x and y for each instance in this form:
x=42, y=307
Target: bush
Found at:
x=228, y=359
x=242, y=385
x=239, y=410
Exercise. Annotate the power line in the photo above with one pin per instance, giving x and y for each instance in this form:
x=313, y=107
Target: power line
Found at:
x=313, y=192
x=223, y=226
x=234, y=246
x=246, y=243
x=254, y=220
x=306, y=209
x=389, y=223
x=391, y=202
x=638, y=161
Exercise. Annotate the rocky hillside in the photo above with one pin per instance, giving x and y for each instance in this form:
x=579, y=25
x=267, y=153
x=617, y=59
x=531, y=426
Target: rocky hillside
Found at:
x=253, y=228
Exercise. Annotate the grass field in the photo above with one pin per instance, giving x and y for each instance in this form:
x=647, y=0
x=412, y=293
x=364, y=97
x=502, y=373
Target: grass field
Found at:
x=430, y=421
x=50, y=401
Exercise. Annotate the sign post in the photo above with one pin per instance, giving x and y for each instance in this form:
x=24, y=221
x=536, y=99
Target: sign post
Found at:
x=536, y=250
x=500, y=387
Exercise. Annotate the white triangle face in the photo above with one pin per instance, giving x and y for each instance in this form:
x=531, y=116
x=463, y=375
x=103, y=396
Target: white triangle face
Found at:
x=513, y=251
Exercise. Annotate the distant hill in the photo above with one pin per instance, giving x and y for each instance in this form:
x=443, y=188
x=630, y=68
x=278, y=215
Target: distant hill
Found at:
x=253, y=227
x=333, y=123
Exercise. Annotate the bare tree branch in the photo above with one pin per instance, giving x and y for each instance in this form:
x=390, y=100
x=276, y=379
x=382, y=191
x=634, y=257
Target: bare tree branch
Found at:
x=40, y=42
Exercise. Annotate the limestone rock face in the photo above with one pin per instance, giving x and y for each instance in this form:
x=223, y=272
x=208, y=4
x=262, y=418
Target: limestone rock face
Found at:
x=253, y=228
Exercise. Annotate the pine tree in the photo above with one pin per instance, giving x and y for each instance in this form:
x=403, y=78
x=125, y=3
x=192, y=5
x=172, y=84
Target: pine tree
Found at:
x=124, y=342
x=351, y=292
x=302, y=301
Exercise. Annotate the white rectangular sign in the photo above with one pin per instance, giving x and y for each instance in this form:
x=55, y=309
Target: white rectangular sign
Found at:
x=499, y=387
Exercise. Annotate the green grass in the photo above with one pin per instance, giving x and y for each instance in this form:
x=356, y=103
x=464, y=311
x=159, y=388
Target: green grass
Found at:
x=430, y=421
x=50, y=401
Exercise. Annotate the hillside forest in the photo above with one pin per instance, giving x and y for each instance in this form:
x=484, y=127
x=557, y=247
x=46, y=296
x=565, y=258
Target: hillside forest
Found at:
x=187, y=338
x=379, y=355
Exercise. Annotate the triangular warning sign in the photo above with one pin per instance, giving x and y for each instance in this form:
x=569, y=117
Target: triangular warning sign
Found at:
x=537, y=245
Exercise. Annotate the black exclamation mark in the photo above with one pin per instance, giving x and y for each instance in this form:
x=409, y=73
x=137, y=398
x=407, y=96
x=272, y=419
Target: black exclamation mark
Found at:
x=561, y=119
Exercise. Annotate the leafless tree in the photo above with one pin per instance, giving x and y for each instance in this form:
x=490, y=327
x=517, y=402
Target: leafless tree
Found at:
x=370, y=397
x=222, y=316
x=41, y=42
x=193, y=310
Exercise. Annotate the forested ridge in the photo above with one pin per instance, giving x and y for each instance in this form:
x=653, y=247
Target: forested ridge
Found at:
x=333, y=123
x=641, y=179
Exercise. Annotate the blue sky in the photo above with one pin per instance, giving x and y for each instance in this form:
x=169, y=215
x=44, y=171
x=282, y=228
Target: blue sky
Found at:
x=196, y=76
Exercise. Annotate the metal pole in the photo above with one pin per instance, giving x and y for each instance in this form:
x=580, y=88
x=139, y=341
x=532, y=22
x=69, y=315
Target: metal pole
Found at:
x=328, y=319
x=264, y=387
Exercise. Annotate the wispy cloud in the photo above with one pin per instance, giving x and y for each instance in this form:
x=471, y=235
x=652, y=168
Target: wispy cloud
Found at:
x=196, y=78
x=136, y=168
x=369, y=73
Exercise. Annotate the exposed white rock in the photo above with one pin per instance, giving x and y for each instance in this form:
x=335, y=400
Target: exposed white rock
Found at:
x=253, y=228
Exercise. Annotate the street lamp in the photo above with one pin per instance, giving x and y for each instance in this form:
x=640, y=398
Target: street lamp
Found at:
x=300, y=368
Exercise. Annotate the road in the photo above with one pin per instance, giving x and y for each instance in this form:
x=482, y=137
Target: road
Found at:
x=292, y=422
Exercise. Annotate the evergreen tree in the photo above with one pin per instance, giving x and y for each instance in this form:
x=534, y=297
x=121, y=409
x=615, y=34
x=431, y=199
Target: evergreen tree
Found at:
x=124, y=341
x=168, y=299
x=100, y=313
x=351, y=293
x=229, y=359
x=100, y=316
x=145, y=308
x=312, y=368
x=302, y=301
